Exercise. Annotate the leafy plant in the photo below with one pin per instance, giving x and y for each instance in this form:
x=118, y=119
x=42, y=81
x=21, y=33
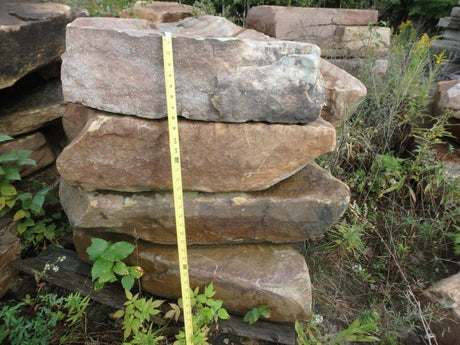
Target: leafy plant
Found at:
x=33, y=321
x=27, y=208
x=361, y=330
x=136, y=320
x=107, y=263
x=206, y=310
x=255, y=314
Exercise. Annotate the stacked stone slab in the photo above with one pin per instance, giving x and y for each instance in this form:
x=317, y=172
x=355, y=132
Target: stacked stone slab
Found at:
x=32, y=38
x=249, y=129
x=450, y=41
x=345, y=34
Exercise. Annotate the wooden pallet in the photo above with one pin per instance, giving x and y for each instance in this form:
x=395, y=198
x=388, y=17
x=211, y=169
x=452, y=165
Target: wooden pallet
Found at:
x=74, y=275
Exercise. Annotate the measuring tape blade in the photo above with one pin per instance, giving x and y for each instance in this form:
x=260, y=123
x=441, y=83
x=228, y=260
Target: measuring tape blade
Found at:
x=177, y=183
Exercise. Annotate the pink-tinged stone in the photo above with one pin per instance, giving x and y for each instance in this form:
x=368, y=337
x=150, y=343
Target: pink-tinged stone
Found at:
x=129, y=154
x=301, y=207
x=116, y=65
x=159, y=11
x=41, y=151
x=447, y=98
x=343, y=92
x=338, y=32
x=244, y=276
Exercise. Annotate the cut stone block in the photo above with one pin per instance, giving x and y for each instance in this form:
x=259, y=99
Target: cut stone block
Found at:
x=116, y=65
x=449, y=22
x=244, y=276
x=41, y=151
x=299, y=208
x=130, y=154
x=343, y=92
x=337, y=32
x=43, y=105
x=159, y=11
x=32, y=34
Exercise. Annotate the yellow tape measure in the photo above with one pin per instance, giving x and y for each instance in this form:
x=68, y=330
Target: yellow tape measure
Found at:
x=177, y=183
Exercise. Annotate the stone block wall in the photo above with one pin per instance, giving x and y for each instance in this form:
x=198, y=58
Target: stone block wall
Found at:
x=32, y=39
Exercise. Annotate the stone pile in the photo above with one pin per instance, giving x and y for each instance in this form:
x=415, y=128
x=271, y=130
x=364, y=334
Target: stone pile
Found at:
x=345, y=34
x=450, y=41
x=250, y=128
x=32, y=39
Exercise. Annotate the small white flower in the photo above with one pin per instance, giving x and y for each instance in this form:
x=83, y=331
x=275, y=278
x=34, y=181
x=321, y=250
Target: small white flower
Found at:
x=62, y=258
x=47, y=267
x=56, y=268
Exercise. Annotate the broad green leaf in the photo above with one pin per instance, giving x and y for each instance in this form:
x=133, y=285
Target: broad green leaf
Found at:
x=118, y=314
x=8, y=190
x=223, y=314
x=19, y=215
x=4, y=137
x=127, y=282
x=50, y=232
x=121, y=269
x=2, y=202
x=38, y=200
x=8, y=157
x=118, y=251
x=102, y=270
x=23, y=154
x=209, y=290
x=12, y=173
x=98, y=246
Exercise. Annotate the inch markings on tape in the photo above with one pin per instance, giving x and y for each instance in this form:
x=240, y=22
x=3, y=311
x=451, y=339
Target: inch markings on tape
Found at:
x=177, y=183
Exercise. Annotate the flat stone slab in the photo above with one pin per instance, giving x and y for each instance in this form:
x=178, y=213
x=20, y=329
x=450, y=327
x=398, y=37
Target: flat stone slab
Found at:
x=299, y=208
x=338, y=32
x=129, y=154
x=32, y=33
x=41, y=151
x=116, y=65
x=32, y=111
x=159, y=11
x=244, y=276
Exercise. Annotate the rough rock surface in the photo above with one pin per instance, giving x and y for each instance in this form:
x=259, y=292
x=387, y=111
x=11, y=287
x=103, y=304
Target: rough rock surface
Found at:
x=325, y=27
x=294, y=210
x=75, y=118
x=447, y=97
x=116, y=65
x=130, y=154
x=41, y=151
x=158, y=11
x=10, y=249
x=343, y=92
x=358, y=41
x=244, y=276
x=32, y=111
x=41, y=25
x=446, y=293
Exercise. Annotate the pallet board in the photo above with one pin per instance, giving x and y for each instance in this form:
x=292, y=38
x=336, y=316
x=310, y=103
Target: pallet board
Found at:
x=75, y=275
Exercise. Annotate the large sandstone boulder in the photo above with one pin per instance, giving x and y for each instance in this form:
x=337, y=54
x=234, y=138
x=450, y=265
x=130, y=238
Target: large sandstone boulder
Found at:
x=32, y=34
x=33, y=110
x=158, y=11
x=130, y=154
x=244, y=276
x=299, y=208
x=116, y=65
x=446, y=294
x=41, y=151
x=338, y=32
